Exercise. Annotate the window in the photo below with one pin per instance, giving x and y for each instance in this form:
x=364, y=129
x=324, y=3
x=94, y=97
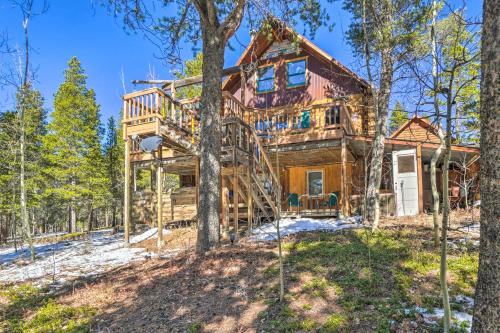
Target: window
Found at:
x=406, y=163
x=265, y=79
x=332, y=115
x=296, y=73
x=315, y=182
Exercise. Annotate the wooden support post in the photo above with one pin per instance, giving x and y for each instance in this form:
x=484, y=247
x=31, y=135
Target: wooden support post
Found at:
x=172, y=93
x=343, y=176
x=249, y=196
x=243, y=86
x=235, y=199
x=197, y=181
x=159, y=204
x=225, y=209
x=420, y=180
x=126, y=193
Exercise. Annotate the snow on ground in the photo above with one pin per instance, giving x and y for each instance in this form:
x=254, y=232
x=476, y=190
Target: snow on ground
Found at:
x=146, y=235
x=434, y=316
x=288, y=226
x=67, y=260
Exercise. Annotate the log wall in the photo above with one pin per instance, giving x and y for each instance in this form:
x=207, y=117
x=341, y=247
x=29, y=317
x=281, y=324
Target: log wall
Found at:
x=180, y=205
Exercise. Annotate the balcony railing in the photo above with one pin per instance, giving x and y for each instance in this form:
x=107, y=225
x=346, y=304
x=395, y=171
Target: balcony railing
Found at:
x=154, y=105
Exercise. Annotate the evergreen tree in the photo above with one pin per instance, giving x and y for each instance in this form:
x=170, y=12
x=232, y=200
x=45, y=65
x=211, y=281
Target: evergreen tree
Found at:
x=399, y=116
x=114, y=152
x=73, y=146
x=34, y=130
x=32, y=126
x=9, y=177
x=192, y=67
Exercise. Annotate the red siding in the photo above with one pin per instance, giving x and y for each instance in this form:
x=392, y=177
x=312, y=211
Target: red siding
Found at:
x=324, y=81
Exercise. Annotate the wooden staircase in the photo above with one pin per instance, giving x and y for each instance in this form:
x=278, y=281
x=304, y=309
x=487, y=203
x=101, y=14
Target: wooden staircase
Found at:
x=247, y=169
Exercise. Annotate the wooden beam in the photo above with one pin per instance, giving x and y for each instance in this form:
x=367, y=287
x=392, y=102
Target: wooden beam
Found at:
x=152, y=81
x=167, y=84
x=249, y=195
x=243, y=85
x=235, y=199
x=225, y=209
x=126, y=193
x=420, y=180
x=159, y=204
x=197, y=181
x=343, y=177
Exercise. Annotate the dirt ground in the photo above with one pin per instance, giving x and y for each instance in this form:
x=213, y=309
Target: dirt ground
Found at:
x=234, y=288
x=182, y=293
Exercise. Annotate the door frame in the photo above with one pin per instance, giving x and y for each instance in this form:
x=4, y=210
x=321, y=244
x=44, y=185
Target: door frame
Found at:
x=395, y=173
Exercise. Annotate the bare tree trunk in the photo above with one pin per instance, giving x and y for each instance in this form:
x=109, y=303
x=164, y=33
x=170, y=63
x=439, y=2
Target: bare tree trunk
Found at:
x=487, y=299
x=210, y=141
x=113, y=216
x=435, y=193
x=25, y=222
x=90, y=217
x=444, y=236
x=14, y=220
x=381, y=103
x=376, y=162
x=446, y=214
x=72, y=218
x=437, y=153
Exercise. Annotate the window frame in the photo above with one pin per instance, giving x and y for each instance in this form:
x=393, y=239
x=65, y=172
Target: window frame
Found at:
x=257, y=79
x=322, y=181
x=306, y=72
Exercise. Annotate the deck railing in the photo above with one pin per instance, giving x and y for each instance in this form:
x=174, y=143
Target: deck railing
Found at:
x=290, y=121
x=154, y=105
x=242, y=140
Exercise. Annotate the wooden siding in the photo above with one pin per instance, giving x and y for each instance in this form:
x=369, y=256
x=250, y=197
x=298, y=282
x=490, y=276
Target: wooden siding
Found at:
x=296, y=178
x=360, y=106
x=415, y=131
x=324, y=81
x=177, y=206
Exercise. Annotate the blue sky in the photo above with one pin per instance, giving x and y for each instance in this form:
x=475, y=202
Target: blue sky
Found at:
x=75, y=28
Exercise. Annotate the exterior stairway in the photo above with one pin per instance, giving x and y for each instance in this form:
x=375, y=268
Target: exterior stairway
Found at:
x=247, y=168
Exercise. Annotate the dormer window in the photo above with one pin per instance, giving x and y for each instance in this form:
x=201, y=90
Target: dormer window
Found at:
x=265, y=79
x=296, y=73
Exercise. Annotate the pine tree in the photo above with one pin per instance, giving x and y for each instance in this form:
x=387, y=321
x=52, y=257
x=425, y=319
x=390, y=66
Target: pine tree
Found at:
x=30, y=123
x=73, y=146
x=192, y=67
x=398, y=117
x=114, y=152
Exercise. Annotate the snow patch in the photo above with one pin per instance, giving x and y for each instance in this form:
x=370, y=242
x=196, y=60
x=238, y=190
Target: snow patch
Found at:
x=434, y=316
x=147, y=235
x=65, y=261
x=288, y=226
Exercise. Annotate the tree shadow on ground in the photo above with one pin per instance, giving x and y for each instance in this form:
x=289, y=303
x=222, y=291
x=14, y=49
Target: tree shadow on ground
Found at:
x=215, y=292
x=350, y=281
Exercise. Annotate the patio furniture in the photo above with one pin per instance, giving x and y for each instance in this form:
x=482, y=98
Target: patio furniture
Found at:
x=293, y=201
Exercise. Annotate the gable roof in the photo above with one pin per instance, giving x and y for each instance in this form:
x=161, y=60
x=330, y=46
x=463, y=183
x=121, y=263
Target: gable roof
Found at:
x=261, y=43
x=422, y=123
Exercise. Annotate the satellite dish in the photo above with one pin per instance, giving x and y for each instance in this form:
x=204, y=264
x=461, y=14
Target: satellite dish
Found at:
x=151, y=143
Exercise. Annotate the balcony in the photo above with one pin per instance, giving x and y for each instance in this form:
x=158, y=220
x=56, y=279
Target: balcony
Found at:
x=152, y=111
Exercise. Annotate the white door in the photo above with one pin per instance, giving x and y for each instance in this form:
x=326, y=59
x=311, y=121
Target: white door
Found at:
x=404, y=168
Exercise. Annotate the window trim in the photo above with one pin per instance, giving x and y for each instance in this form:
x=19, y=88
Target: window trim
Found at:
x=306, y=72
x=322, y=181
x=257, y=79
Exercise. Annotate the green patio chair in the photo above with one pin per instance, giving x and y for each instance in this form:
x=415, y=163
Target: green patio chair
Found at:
x=293, y=201
x=333, y=200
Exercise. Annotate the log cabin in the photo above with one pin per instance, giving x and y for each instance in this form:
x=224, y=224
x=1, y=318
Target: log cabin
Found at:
x=297, y=129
